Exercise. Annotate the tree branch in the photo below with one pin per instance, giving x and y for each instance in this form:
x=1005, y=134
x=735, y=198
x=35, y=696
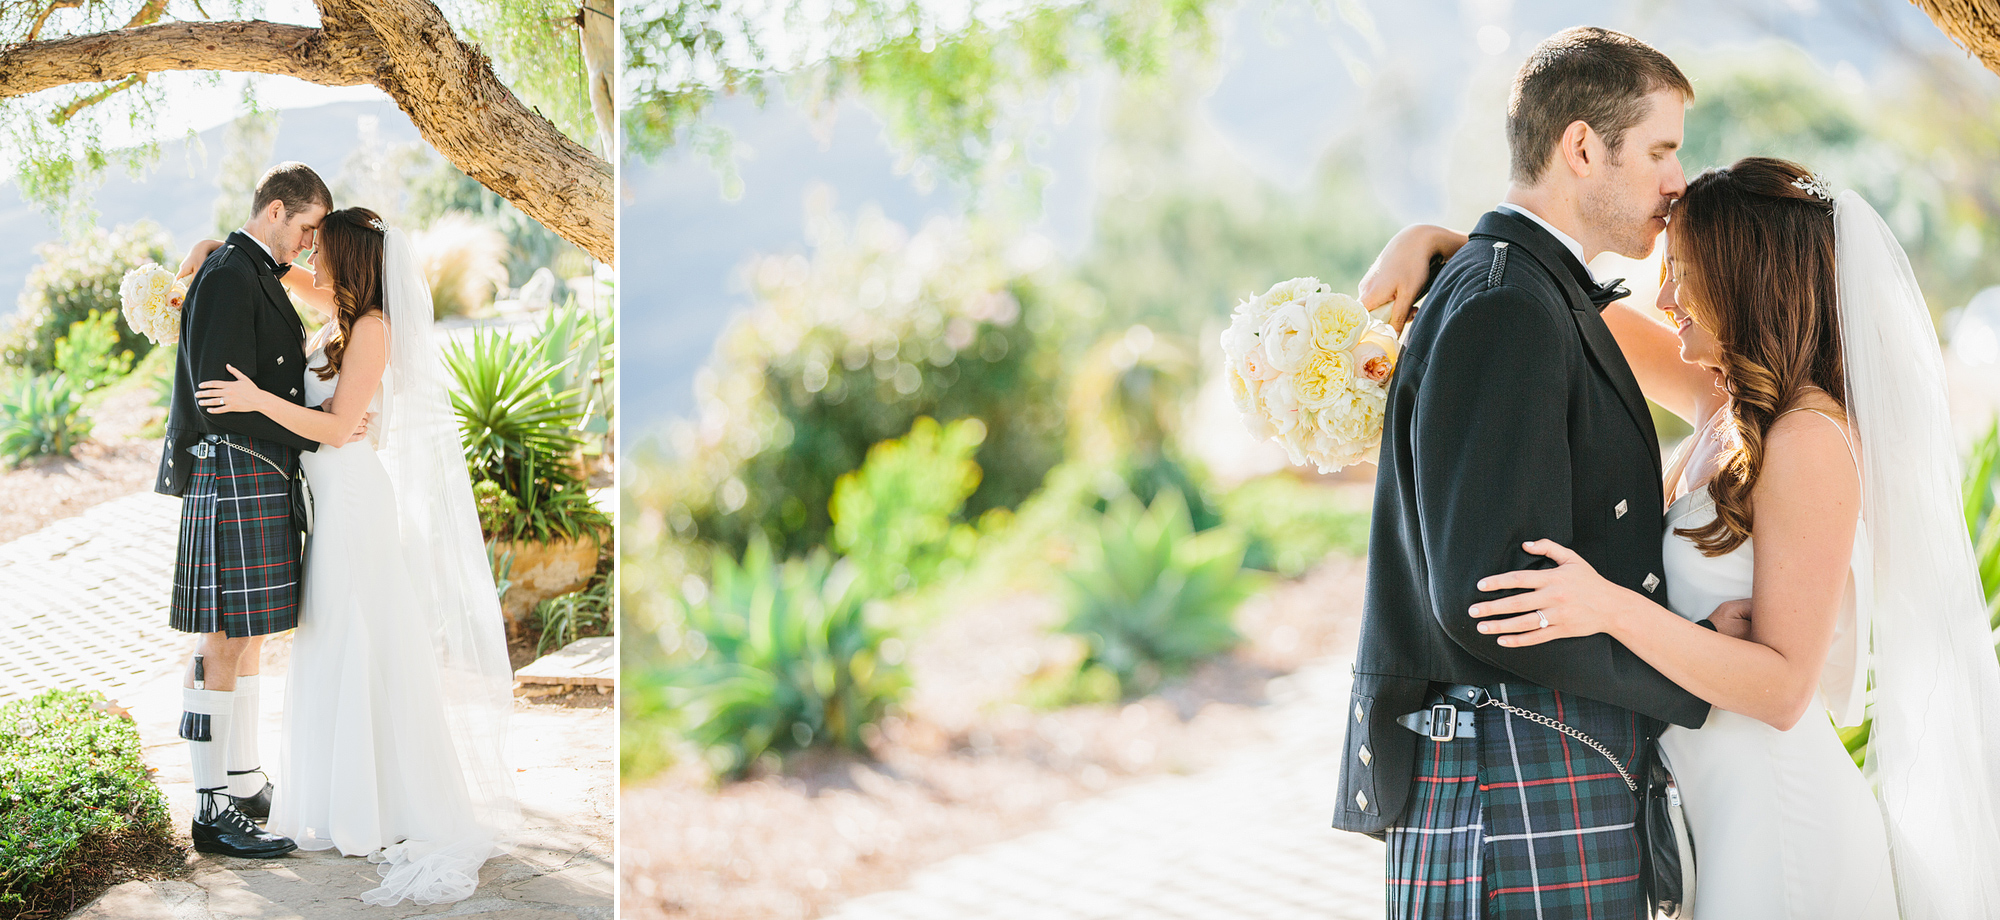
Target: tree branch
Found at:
x=43, y=19
x=64, y=114
x=1973, y=24
x=247, y=47
x=449, y=90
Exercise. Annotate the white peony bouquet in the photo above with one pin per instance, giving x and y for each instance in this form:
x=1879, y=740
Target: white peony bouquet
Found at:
x=152, y=302
x=1311, y=368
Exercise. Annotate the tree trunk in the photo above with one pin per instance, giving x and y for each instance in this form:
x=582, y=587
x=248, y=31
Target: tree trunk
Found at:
x=1973, y=24
x=405, y=47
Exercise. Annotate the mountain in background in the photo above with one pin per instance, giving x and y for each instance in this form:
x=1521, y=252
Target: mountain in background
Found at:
x=179, y=191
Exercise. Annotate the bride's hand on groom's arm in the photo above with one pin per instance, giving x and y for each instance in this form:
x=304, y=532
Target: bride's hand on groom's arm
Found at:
x=238, y=395
x=1399, y=274
x=1564, y=602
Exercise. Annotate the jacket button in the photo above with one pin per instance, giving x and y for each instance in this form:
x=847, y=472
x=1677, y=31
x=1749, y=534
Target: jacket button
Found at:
x=295, y=391
x=1361, y=799
x=281, y=359
x=1357, y=713
x=1652, y=581
x=170, y=462
x=1366, y=758
x=1620, y=510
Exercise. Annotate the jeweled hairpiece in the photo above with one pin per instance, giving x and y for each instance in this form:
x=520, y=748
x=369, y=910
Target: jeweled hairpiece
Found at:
x=379, y=226
x=1816, y=184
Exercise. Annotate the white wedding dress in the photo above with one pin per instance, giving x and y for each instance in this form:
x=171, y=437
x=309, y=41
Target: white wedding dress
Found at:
x=369, y=764
x=1785, y=826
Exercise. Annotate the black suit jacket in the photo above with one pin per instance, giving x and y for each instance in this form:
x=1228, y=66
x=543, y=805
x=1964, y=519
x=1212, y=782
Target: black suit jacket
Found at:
x=236, y=314
x=1512, y=417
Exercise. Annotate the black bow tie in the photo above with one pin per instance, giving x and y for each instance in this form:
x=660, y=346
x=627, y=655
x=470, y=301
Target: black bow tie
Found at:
x=280, y=270
x=1603, y=294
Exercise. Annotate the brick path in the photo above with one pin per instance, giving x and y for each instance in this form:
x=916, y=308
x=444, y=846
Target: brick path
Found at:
x=83, y=605
x=1248, y=839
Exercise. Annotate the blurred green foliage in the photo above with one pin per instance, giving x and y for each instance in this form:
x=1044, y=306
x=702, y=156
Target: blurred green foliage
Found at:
x=782, y=657
x=89, y=355
x=951, y=84
x=1292, y=524
x=74, y=279
x=1922, y=146
x=848, y=349
x=893, y=516
x=1149, y=596
x=521, y=439
x=41, y=417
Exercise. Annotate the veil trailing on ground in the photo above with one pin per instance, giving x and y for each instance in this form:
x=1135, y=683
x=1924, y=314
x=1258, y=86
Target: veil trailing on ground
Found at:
x=446, y=555
x=1934, y=751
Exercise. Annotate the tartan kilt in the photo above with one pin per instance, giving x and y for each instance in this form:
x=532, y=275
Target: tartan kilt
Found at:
x=1548, y=830
x=239, y=563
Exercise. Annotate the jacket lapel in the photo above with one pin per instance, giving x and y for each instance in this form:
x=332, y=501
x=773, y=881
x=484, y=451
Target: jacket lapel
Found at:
x=1597, y=337
x=274, y=290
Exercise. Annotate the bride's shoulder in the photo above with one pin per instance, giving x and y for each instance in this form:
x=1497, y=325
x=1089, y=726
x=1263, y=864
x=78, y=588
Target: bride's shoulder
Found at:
x=1810, y=446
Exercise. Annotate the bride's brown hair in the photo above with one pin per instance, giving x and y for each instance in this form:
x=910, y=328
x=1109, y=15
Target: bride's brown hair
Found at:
x=352, y=248
x=1754, y=256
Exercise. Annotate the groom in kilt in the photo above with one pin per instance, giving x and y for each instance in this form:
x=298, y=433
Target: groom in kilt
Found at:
x=1514, y=417
x=239, y=565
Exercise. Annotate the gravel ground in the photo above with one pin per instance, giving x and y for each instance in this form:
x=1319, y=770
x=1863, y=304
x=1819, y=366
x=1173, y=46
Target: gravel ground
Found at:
x=965, y=765
x=115, y=461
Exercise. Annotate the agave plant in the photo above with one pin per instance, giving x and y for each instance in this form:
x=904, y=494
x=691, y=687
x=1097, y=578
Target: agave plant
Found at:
x=787, y=659
x=41, y=417
x=506, y=411
x=1150, y=596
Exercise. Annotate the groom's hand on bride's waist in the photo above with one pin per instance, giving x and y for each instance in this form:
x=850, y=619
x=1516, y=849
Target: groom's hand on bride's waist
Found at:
x=1732, y=618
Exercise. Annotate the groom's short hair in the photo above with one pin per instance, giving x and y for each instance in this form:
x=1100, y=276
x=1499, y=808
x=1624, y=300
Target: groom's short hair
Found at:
x=1587, y=74
x=293, y=183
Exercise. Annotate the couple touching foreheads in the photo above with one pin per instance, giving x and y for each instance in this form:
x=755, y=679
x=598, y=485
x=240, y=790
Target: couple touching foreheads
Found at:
x=324, y=488
x=1552, y=610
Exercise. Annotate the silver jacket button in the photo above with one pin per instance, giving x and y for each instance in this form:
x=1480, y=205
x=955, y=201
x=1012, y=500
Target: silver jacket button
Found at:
x=1357, y=712
x=1620, y=510
x=281, y=359
x=1652, y=581
x=1361, y=799
x=295, y=391
x=1366, y=758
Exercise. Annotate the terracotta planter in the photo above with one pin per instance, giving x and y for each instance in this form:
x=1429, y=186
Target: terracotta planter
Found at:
x=544, y=570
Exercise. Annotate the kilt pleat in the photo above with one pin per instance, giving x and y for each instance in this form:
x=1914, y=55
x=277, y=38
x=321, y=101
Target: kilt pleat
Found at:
x=1434, y=861
x=237, y=567
x=1561, y=827
x=1523, y=821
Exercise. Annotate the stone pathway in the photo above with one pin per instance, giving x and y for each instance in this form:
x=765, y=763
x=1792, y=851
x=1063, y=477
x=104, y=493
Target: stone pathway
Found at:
x=1248, y=839
x=82, y=604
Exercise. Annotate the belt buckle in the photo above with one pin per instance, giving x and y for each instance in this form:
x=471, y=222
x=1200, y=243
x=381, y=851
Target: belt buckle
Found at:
x=1444, y=722
x=203, y=448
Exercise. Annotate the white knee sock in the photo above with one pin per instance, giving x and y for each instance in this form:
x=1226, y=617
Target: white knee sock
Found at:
x=243, y=754
x=205, y=723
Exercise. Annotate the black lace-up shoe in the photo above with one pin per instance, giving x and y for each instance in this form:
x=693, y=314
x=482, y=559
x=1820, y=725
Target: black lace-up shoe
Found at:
x=224, y=831
x=258, y=806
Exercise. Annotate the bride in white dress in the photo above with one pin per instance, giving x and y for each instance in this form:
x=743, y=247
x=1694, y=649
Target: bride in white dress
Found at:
x=399, y=687
x=1804, y=356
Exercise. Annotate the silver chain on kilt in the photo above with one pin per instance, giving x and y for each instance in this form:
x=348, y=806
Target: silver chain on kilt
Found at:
x=1573, y=733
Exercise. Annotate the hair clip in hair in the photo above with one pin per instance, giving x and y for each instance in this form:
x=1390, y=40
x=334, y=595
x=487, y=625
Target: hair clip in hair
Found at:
x=1815, y=184
x=379, y=226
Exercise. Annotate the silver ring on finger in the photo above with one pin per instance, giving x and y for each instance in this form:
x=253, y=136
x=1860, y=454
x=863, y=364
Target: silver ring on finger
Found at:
x=1545, y=618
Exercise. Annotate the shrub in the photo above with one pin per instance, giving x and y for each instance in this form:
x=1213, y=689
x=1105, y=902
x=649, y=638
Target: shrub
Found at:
x=74, y=795
x=464, y=262
x=893, y=517
x=520, y=437
x=1149, y=596
x=848, y=349
x=1292, y=525
x=89, y=355
x=780, y=657
x=41, y=417
x=74, y=279
x=569, y=617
